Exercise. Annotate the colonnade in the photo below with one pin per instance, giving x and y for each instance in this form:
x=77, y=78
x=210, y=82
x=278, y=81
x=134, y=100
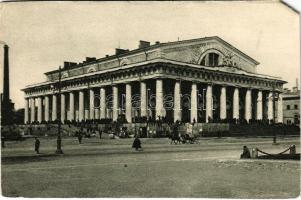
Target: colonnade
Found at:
x=76, y=111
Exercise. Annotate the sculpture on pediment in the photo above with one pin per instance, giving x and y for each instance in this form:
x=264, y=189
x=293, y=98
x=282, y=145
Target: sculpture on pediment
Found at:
x=196, y=54
x=124, y=62
x=65, y=75
x=91, y=69
x=228, y=61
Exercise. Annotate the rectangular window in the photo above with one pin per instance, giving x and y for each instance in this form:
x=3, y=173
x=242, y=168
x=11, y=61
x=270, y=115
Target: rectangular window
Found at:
x=288, y=107
x=296, y=106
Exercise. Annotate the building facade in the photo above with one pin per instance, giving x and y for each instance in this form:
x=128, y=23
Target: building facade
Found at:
x=198, y=80
x=291, y=106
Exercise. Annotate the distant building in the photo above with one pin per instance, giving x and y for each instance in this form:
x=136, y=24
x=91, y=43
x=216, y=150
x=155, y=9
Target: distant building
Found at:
x=291, y=106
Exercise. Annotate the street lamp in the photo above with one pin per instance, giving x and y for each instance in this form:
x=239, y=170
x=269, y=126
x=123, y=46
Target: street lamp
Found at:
x=275, y=97
x=147, y=103
x=59, y=138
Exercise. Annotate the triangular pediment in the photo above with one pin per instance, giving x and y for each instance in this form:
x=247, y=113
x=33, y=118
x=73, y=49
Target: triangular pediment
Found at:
x=194, y=52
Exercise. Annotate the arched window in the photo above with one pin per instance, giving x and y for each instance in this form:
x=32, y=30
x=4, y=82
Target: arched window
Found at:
x=210, y=60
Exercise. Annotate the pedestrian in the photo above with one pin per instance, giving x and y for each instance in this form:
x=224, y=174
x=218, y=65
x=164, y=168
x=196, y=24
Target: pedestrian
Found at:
x=79, y=137
x=246, y=153
x=37, y=145
x=100, y=133
x=137, y=143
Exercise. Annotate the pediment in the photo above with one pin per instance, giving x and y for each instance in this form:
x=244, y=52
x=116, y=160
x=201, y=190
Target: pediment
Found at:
x=194, y=52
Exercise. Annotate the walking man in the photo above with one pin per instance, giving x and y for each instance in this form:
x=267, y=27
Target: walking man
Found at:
x=79, y=136
x=37, y=145
x=137, y=143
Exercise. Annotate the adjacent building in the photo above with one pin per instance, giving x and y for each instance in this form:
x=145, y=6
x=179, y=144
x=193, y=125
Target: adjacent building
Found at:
x=291, y=106
x=197, y=80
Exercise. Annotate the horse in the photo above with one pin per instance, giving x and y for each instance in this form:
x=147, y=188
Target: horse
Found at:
x=175, y=139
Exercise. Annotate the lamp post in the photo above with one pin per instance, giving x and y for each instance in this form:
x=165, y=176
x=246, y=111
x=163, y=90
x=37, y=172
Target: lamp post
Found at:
x=274, y=112
x=59, y=139
x=147, y=103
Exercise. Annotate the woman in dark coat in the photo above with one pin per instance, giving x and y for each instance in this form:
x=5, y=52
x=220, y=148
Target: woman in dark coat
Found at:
x=137, y=143
x=37, y=145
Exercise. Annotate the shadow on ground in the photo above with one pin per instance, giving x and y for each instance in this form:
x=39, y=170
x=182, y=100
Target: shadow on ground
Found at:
x=281, y=157
x=27, y=159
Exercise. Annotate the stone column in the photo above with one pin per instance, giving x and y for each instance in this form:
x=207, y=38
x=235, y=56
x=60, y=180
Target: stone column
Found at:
x=143, y=99
x=209, y=111
x=54, y=108
x=194, y=104
x=248, y=105
x=96, y=111
x=270, y=106
x=102, y=103
x=223, y=104
x=115, y=102
x=159, y=98
x=128, y=102
x=177, y=101
x=279, y=109
x=91, y=109
x=236, y=103
x=81, y=106
x=63, y=108
x=32, y=110
x=26, y=111
x=259, y=106
x=39, y=101
x=71, y=105
x=46, y=108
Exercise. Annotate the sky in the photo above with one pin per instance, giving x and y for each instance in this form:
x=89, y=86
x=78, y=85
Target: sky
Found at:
x=42, y=35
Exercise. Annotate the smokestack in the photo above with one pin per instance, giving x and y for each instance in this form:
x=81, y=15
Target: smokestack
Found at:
x=6, y=76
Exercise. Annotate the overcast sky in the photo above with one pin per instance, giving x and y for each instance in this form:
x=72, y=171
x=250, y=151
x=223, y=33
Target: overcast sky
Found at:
x=42, y=35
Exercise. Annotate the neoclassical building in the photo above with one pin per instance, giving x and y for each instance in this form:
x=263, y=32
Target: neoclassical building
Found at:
x=192, y=80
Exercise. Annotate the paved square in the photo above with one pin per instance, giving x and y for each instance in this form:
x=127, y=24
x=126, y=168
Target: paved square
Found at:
x=110, y=168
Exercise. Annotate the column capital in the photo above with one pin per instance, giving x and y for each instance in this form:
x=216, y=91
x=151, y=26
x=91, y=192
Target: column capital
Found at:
x=248, y=88
x=223, y=85
x=194, y=82
x=237, y=86
x=128, y=82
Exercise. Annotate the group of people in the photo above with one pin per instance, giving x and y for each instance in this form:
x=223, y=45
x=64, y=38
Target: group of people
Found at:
x=81, y=133
x=137, y=143
x=177, y=137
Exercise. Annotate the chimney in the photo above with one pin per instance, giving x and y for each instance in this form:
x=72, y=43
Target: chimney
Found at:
x=6, y=77
x=90, y=59
x=71, y=64
x=143, y=44
x=120, y=51
x=297, y=83
x=68, y=65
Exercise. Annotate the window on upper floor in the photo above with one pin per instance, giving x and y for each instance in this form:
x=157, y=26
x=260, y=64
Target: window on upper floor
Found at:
x=296, y=119
x=210, y=60
x=296, y=106
x=288, y=107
